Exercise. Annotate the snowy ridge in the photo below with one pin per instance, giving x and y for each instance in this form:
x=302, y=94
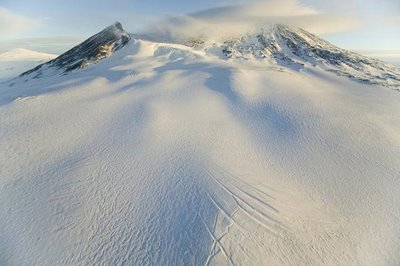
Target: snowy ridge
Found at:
x=20, y=54
x=292, y=47
x=91, y=51
x=278, y=44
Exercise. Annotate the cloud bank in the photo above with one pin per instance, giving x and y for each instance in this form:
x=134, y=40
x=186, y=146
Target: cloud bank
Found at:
x=54, y=44
x=12, y=23
x=231, y=21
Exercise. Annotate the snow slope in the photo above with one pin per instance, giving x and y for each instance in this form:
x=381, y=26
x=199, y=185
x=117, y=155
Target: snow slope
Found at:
x=164, y=154
x=16, y=61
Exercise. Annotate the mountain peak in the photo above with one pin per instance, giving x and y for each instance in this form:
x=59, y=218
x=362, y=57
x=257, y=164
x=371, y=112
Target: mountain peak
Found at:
x=118, y=25
x=91, y=51
x=116, y=28
x=296, y=48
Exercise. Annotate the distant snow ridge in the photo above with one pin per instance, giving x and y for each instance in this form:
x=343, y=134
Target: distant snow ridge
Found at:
x=18, y=60
x=91, y=51
x=294, y=47
x=20, y=54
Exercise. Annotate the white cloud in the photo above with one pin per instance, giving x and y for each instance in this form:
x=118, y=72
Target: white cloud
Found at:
x=393, y=21
x=236, y=20
x=13, y=23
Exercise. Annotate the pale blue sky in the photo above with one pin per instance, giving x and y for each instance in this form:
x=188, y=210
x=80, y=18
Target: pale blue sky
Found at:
x=54, y=25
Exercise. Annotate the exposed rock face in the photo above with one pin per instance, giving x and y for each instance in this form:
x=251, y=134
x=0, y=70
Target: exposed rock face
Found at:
x=91, y=51
x=296, y=47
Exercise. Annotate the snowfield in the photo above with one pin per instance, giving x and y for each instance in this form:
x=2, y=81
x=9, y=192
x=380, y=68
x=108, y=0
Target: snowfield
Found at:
x=164, y=154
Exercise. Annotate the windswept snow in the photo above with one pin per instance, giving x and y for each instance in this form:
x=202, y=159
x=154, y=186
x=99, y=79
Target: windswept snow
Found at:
x=163, y=154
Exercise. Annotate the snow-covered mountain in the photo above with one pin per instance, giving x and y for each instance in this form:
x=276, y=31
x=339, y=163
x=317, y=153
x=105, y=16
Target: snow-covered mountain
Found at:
x=91, y=51
x=286, y=46
x=290, y=46
x=250, y=151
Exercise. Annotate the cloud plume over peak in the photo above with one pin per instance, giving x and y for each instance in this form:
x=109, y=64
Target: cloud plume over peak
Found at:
x=233, y=21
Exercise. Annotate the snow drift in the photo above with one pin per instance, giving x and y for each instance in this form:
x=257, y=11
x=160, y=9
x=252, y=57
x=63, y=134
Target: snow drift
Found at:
x=246, y=151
